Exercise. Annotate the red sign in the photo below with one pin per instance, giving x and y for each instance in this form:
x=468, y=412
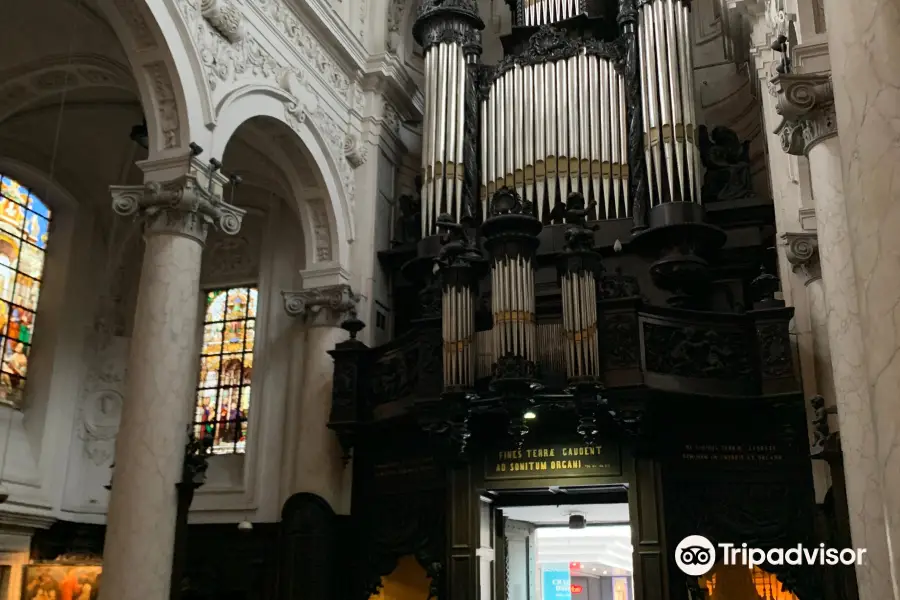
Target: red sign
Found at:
x=577, y=589
x=575, y=565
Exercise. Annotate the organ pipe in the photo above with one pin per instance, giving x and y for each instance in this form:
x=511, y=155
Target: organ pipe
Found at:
x=553, y=127
x=457, y=264
x=444, y=126
x=667, y=96
x=534, y=13
x=450, y=38
x=510, y=235
x=578, y=267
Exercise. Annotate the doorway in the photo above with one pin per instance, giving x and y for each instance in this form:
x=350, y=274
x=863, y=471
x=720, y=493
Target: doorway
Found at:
x=564, y=544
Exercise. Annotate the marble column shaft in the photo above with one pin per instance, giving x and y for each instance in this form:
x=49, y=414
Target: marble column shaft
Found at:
x=150, y=445
x=318, y=467
x=865, y=48
x=861, y=466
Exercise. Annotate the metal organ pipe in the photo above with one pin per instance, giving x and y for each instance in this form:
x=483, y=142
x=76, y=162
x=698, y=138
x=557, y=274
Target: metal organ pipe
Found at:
x=535, y=13
x=443, y=131
x=579, y=263
x=667, y=93
x=458, y=328
x=510, y=237
x=557, y=127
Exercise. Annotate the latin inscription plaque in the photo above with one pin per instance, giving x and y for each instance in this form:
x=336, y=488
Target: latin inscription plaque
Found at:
x=732, y=453
x=552, y=461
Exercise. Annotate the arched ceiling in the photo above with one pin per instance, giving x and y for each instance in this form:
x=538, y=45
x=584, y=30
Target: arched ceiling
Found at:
x=68, y=99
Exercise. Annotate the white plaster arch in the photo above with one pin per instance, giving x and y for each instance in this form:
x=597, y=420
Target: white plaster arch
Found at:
x=167, y=72
x=260, y=100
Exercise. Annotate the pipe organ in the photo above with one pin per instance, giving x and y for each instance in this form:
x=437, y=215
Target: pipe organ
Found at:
x=577, y=113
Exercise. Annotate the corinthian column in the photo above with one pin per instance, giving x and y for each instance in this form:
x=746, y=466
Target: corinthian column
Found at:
x=810, y=128
x=177, y=213
x=318, y=465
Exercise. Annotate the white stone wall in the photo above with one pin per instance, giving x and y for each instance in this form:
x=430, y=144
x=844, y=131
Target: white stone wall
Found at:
x=336, y=74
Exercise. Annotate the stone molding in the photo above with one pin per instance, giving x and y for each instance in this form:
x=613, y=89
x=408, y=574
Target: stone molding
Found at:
x=186, y=205
x=327, y=305
x=806, y=102
x=802, y=251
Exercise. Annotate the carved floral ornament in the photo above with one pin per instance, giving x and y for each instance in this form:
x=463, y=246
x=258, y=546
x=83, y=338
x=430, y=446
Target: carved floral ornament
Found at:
x=333, y=302
x=807, y=104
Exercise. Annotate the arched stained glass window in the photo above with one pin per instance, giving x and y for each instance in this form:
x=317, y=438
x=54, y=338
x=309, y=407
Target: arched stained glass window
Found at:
x=226, y=369
x=24, y=228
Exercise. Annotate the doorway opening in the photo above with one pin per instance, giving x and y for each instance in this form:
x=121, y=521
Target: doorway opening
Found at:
x=566, y=544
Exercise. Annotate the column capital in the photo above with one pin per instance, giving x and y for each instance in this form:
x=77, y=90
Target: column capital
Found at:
x=802, y=251
x=806, y=101
x=184, y=205
x=326, y=305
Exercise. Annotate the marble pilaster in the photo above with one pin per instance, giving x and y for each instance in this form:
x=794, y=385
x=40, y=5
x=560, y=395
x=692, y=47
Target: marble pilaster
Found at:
x=140, y=532
x=318, y=466
x=810, y=128
x=865, y=48
x=802, y=252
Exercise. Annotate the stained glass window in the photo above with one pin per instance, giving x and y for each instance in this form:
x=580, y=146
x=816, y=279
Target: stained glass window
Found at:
x=226, y=369
x=24, y=227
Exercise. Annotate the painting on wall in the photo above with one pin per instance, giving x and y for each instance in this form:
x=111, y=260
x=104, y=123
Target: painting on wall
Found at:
x=61, y=581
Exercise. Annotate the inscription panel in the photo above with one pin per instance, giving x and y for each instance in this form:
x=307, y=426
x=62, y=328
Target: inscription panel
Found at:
x=553, y=461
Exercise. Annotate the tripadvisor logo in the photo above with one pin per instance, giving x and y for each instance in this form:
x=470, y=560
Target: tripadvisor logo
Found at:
x=695, y=555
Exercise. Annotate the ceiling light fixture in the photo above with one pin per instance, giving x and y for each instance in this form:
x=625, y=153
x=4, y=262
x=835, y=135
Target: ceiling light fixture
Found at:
x=529, y=415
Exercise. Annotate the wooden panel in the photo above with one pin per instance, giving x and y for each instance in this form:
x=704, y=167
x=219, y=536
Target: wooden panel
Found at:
x=650, y=585
x=648, y=532
x=461, y=538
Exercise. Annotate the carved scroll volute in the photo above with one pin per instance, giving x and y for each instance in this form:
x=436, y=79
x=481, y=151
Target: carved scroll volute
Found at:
x=348, y=407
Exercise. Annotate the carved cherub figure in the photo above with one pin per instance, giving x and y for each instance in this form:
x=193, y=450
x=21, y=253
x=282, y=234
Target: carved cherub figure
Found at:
x=456, y=242
x=576, y=211
x=407, y=225
x=727, y=162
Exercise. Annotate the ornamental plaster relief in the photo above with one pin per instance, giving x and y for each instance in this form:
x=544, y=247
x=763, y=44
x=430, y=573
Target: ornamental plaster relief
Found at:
x=311, y=77
x=137, y=24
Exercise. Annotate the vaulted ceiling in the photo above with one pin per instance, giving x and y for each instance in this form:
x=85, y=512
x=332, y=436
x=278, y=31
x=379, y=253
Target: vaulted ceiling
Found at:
x=68, y=102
